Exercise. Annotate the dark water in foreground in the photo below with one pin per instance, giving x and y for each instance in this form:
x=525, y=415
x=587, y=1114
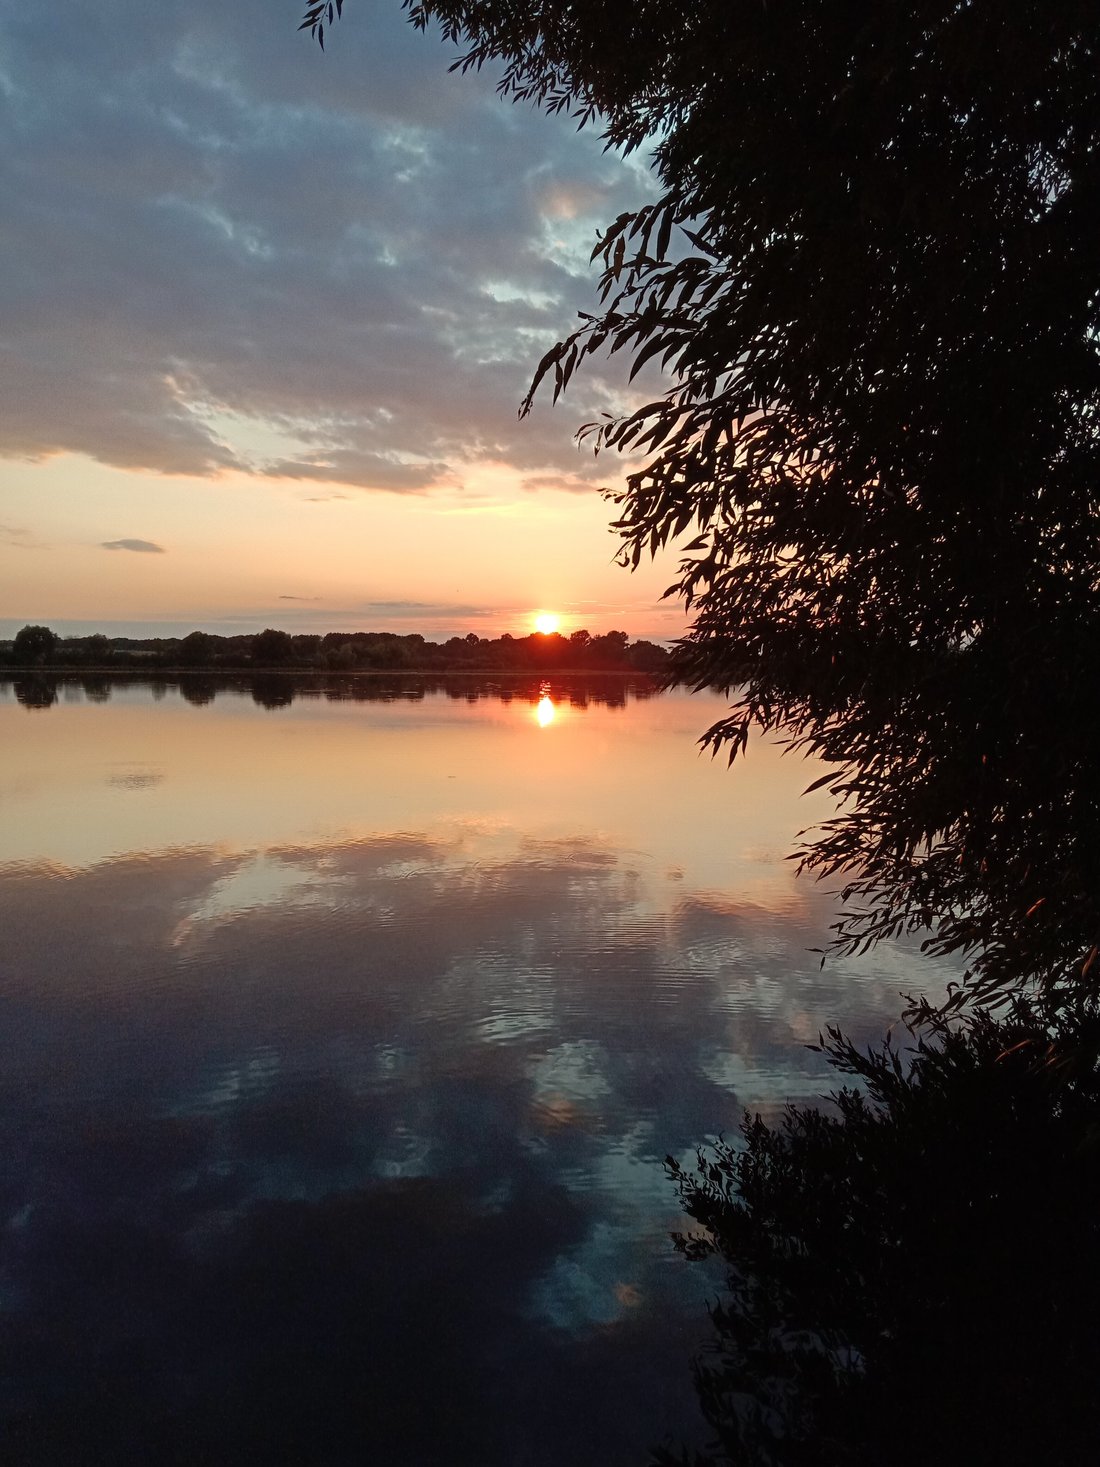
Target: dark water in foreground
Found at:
x=341, y=1042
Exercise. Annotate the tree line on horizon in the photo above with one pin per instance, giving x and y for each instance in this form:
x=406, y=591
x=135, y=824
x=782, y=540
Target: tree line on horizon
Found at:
x=40, y=647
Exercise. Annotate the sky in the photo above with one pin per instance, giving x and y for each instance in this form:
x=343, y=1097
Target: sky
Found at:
x=267, y=315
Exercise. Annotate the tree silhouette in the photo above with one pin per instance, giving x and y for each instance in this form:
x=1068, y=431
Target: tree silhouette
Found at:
x=35, y=692
x=33, y=646
x=96, y=650
x=871, y=272
x=198, y=691
x=272, y=692
x=272, y=647
x=197, y=649
x=927, y=1240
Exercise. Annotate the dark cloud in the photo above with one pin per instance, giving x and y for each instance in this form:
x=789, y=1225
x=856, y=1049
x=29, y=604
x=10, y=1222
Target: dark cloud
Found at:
x=286, y=1132
x=300, y=598
x=367, y=470
x=142, y=547
x=229, y=251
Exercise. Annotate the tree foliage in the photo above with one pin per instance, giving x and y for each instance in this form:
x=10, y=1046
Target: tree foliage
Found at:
x=872, y=273
x=197, y=649
x=911, y=1275
x=272, y=646
x=33, y=646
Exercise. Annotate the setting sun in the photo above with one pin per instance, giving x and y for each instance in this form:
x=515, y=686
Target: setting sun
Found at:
x=547, y=622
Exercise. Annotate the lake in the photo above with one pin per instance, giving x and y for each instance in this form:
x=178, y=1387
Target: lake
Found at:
x=346, y=1025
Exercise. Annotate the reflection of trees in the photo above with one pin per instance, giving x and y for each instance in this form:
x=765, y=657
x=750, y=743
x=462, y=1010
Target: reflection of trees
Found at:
x=198, y=690
x=36, y=692
x=374, y=690
x=280, y=690
x=272, y=692
x=936, y=1234
x=581, y=692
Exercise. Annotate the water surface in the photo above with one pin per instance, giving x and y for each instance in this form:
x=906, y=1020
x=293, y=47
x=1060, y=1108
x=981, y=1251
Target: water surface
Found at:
x=345, y=1028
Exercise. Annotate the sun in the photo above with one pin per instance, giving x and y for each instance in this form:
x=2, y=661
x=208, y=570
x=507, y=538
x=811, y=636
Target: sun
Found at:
x=547, y=622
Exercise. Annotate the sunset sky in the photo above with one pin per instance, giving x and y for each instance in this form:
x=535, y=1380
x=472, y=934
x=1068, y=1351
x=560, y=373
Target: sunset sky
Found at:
x=267, y=319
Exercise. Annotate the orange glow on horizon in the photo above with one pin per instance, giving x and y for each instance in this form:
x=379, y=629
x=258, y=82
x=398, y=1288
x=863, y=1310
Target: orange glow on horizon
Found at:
x=245, y=552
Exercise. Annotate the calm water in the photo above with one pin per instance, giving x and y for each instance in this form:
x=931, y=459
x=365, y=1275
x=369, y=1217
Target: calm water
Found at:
x=342, y=1041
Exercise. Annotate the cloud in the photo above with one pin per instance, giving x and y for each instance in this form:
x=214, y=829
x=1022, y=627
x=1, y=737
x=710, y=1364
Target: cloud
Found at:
x=470, y=1125
x=367, y=470
x=229, y=252
x=143, y=547
x=19, y=537
x=300, y=598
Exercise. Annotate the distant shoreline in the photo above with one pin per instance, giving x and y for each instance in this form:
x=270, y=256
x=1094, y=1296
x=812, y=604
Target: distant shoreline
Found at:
x=275, y=653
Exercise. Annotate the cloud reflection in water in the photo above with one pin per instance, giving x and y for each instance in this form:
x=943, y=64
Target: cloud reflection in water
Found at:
x=351, y=1142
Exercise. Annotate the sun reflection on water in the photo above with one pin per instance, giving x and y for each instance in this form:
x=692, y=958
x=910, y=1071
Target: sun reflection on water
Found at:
x=545, y=712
